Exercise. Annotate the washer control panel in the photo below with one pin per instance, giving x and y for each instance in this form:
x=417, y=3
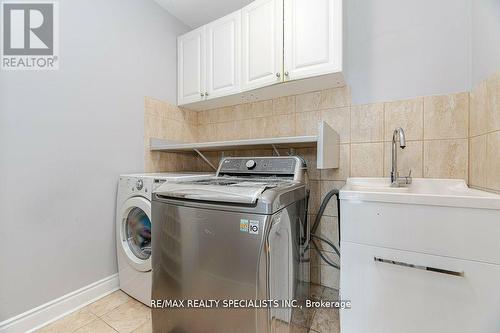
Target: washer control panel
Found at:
x=259, y=165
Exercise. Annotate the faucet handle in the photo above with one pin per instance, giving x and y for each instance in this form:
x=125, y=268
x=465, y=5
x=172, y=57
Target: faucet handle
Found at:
x=408, y=179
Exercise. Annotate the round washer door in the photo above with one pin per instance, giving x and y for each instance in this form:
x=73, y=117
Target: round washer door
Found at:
x=135, y=233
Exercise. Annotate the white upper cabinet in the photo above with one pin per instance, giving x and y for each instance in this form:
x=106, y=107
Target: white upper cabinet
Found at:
x=312, y=38
x=268, y=49
x=262, y=43
x=223, y=54
x=191, y=66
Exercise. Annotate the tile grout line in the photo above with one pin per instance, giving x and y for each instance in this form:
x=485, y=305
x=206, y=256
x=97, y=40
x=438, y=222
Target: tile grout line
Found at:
x=469, y=164
x=383, y=134
x=423, y=137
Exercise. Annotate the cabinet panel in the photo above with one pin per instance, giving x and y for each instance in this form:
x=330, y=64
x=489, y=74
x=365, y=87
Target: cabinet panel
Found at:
x=191, y=66
x=313, y=38
x=393, y=297
x=438, y=230
x=262, y=43
x=223, y=55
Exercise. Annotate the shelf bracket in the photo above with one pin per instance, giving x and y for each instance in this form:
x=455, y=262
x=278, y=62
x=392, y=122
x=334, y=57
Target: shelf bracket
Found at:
x=275, y=150
x=205, y=159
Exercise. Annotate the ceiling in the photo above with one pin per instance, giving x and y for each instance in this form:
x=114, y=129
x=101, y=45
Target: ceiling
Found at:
x=195, y=13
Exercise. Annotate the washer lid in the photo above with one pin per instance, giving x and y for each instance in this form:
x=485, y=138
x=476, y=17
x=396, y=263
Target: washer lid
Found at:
x=221, y=189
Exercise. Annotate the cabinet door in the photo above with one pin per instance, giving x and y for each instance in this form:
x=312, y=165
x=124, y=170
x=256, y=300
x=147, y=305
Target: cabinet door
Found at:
x=313, y=38
x=224, y=55
x=262, y=43
x=191, y=66
x=396, y=291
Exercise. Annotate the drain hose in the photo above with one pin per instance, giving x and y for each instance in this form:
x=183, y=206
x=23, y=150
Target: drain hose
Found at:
x=314, y=228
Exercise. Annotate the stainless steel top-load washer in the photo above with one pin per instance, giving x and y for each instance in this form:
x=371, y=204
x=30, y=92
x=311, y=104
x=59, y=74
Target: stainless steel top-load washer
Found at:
x=238, y=237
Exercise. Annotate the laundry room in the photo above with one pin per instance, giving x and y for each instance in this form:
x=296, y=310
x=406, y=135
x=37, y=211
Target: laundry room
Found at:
x=250, y=166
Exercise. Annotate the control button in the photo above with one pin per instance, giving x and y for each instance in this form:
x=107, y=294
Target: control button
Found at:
x=250, y=164
x=139, y=184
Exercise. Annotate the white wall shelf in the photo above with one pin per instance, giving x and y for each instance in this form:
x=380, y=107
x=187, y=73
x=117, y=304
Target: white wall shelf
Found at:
x=326, y=143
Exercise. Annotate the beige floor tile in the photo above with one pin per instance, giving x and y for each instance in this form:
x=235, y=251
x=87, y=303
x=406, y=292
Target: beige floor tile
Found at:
x=446, y=159
x=446, y=116
x=367, y=123
x=144, y=328
x=279, y=326
x=326, y=321
x=128, y=317
x=108, y=303
x=97, y=326
x=407, y=114
x=71, y=322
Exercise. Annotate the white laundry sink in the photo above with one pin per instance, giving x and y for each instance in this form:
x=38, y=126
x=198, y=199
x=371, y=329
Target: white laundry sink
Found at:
x=436, y=192
x=410, y=252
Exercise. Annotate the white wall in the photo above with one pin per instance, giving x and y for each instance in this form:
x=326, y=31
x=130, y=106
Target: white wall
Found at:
x=485, y=39
x=66, y=135
x=405, y=48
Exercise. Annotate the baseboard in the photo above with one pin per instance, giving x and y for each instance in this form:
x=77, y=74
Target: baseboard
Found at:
x=55, y=309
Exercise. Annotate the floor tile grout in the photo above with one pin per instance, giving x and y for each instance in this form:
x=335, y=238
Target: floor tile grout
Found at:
x=315, y=314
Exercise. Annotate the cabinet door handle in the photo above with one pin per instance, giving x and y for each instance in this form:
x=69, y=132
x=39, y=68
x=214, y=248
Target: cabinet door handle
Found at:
x=278, y=75
x=202, y=94
x=286, y=73
x=424, y=268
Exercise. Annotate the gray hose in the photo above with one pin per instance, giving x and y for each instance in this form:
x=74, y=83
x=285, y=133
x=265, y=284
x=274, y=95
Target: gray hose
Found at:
x=317, y=221
x=327, y=241
x=334, y=265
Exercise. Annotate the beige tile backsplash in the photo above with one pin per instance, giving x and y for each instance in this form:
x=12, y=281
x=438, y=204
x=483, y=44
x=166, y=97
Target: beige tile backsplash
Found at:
x=410, y=158
x=446, y=158
x=367, y=159
x=484, y=135
x=407, y=114
x=165, y=121
x=367, y=123
x=449, y=136
x=446, y=117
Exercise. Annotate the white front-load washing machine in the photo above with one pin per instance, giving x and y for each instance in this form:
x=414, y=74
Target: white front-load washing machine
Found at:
x=133, y=229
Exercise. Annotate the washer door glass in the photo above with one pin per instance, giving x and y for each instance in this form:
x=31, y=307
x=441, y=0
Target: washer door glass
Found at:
x=138, y=233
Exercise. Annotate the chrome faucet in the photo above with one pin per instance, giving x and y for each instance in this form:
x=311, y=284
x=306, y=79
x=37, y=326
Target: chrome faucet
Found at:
x=396, y=181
